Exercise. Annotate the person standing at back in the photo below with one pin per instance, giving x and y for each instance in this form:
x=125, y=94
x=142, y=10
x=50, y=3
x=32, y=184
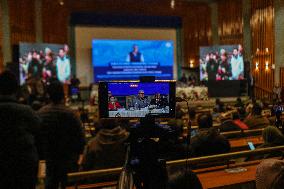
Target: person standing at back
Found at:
x=19, y=126
x=62, y=138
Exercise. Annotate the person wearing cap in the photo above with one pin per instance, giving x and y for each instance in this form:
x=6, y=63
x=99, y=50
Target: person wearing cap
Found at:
x=141, y=101
x=270, y=174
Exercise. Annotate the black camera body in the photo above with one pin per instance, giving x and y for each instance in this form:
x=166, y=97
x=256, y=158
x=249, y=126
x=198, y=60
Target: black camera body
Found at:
x=149, y=169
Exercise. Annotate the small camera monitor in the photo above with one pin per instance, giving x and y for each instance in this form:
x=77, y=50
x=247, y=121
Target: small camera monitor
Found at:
x=137, y=99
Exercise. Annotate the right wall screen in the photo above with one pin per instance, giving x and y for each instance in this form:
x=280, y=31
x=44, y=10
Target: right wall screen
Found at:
x=218, y=63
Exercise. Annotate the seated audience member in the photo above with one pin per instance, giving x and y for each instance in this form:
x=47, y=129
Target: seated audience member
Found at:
x=124, y=123
x=234, y=124
x=177, y=123
x=265, y=102
x=183, y=78
x=250, y=106
x=62, y=137
x=219, y=106
x=208, y=141
x=106, y=149
x=276, y=112
x=270, y=174
x=242, y=112
x=175, y=146
x=256, y=120
x=113, y=105
x=183, y=179
x=192, y=116
x=239, y=102
x=36, y=105
x=272, y=136
x=19, y=126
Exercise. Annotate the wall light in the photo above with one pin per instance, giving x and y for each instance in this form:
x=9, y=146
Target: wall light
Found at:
x=191, y=63
x=173, y=4
x=256, y=65
x=61, y=2
x=266, y=65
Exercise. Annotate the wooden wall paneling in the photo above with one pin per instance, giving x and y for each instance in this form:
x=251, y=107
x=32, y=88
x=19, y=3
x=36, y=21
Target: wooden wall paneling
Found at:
x=55, y=21
x=197, y=33
x=195, y=16
x=262, y=26
x=281, y=77
x=196, y=22
x=22, y=24
x=230, y=22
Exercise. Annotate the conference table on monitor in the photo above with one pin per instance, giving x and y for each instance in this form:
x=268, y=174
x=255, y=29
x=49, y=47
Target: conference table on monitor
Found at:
x=137, y=113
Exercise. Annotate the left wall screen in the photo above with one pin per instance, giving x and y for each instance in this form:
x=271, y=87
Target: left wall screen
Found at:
x=43, y=61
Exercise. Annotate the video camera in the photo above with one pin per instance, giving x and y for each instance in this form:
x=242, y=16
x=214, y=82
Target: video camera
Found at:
x=145, y=100
x=137, y=99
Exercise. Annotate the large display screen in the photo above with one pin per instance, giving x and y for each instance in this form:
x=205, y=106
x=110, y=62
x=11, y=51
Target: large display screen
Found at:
x=219, y=63
x=136, y=99
x=130, y=59
x=43, y=62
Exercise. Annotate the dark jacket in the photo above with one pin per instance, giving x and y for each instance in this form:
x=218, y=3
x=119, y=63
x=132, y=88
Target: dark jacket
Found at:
x=61, y=133
x=19, y=126
x=257, y=122
x=272, y=137
x=212, y=68
x=106, y=149
x=209, y=142
x=232, y=125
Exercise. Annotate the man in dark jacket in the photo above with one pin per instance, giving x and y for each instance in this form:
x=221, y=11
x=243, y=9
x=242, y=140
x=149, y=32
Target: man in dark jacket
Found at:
x=18, y=129
x=208, y=141
x=62, y=138
x=183, y=179
x=256, y=120
x=106, y=149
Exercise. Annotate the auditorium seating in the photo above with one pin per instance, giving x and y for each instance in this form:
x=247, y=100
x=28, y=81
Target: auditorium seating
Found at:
x=210, y=170
x=242, y=143
x=212, y=177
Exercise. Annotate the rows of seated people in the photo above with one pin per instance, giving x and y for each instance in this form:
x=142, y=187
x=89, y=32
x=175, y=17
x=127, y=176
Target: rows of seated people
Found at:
x=55, y=134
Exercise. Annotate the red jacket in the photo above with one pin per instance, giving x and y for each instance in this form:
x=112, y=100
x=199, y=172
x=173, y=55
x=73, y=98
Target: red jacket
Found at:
x=114, y=106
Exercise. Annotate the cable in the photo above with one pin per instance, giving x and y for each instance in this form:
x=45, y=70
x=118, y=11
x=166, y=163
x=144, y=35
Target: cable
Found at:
x=188, y=140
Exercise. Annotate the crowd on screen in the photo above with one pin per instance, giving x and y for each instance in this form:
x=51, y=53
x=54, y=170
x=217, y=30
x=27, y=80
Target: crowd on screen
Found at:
x=39, y=68
x=223, y=65
x=46, y=65
x=55, y=133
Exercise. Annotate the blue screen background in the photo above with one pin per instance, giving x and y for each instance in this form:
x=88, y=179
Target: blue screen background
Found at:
x=105, y=51
x=126, y=89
